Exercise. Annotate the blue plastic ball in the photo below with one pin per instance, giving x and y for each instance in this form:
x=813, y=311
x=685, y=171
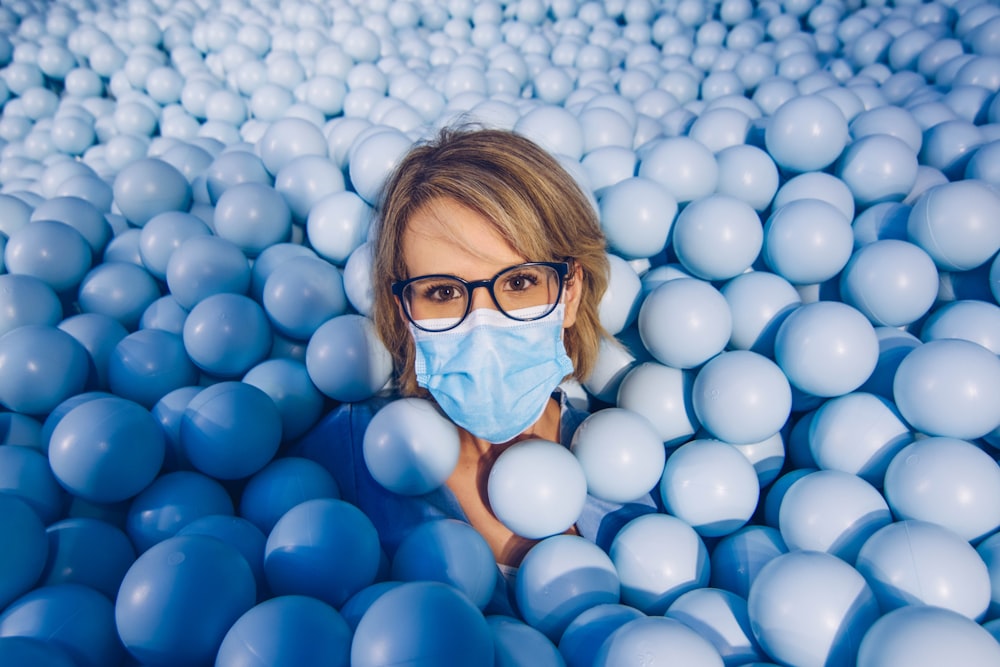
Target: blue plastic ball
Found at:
x=663, y=396
x=346, y=360
x=87, y=551
x=759, y=302
x=49, y=250
x=99, y=334
x=747, y=173
x=741, y=397
x=291, y=629
x=179, y=599
x=806, y=133
x=227, y=334
x=280, y=486
x=621, y=454
x=738, y=557
x=637, y=215
x=356, y=606
x=807, y=241
x=658, y=558
x=239, y=533
x=717, y=237
x=164, y=313
x=325, y=548
x=423, y=624
x=449, y=551
x=27, y=300
x=168, y=411
x=337, y=224
x=684, y=166
x=79, y=214
x=270, y=259
x=25, y=473
x=205, y=265
x=287, y=382
x=584, y=635
x=163, y=234
x=32, y=652
x=286, y=139
x=968, y=319
x=517, y=643
x=148, y=364
x=120, y=290
x=149, y=186
x=40, y=366
x=923, y=635
x=879, y=222
x=301, y=294
x=878, y=168
x=171, y=502
x=720, y=617
x=956, y=224
x=232, y=168
x=892, y=282
x=252, y=216
x=23, y=560
x=685, y=322
x=75, y=618
x=663, y=640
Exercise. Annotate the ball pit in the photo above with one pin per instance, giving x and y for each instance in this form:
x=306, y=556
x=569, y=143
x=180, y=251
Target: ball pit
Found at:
x=803, y=222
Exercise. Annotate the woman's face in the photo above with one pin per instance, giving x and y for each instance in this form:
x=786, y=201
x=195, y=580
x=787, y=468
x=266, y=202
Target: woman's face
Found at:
x=447, y=237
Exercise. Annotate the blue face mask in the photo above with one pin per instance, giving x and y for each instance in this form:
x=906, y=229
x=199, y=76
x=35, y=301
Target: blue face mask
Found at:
x=493, y=375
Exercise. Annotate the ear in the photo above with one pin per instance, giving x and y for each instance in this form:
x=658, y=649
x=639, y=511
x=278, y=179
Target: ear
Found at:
x=572, y=294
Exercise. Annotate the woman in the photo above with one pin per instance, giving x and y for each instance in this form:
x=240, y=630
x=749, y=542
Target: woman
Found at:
x=489, y=267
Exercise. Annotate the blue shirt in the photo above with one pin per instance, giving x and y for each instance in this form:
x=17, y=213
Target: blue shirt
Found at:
x=336, y=443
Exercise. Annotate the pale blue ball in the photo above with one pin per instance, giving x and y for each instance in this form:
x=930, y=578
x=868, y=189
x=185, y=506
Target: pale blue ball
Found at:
x=738, y=557
x=893, y=345
x=234, y=167
x=306, y=180
x=301, y=294
x=989, y=551
x=946, y=387
x=878, y=168
x=27, y=300
x=956, y=224
x=165, y=314
x=949, y=144
x=40, y=367
x=371, y=160
x=658, y=558
x=806, y=133
x=660, y=639
x=537, y=488
x=50, y=250
x=253, y=216
x=79, y=214
x=683, y=323
x=741, y=397
x=719, y=616
x=337, y=224
x=148, y=186
x=892, y=282
x=807, y=241
x=269, y=259
x=286, y=139
x=621, y=454
x=759, y=301
x=747, y=173
x=120, y=290
x=717, y=237
x=346, y=360
x=583, y=637
x=620, y=303
x=205, y=265
x=826, y=348
x=226, y=335
x=636, y=216
x=967, y=319
x=922, y=636
x=281, y=485
x=881, y=221
x=816, y=185
x=163, y=234
x=287, y=382
x=561, y=577
x=663, y=396
x=684, y=166
x=410, y=447
x=889, y=120
x=811, y=608
x=517, y=643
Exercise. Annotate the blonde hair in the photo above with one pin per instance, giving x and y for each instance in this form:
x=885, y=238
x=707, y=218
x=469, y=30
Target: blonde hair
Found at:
x=531, y=201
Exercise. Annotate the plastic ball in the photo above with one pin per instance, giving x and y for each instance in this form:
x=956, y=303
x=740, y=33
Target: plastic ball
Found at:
x=232, y=168
x=148, y=186
x=810, y=608
x=75, y=618
x=660, y=639
x=148, y=364
x=721, y=617
x=711, y=486
x=892, y=282
x=79, y=214
x=878, y=168
x=658, y=558
x=956, y=224
x=880, y=221
x=205, y=265
x=356, y=606
x=301, y=294
x=290, y=629
x=967, y=319
x=858, y=433
x=663, y=396
x=305, y=181
x=759, y=302
x=27, y=300
x=422, y=624
x=684, y=166
x=40, y=366
x=87, y=551
x=287, y=382
x=252, y=216
x=163, y=234
x=23, y=560
x=738, y=557
x=25, y=473
x=826, y=348
x=717, y=237
x=620, y=304
x=179, y=599
x=944, y=388
x=747, y=173
x=516, y=643
x=280, y=486
x=806, y=133
x=337, y=224
x=684, y=323
x=239, y=533
x=49, y=250
x=946, y=481
x=100, y=335
x=106, y=450
x=120, y=290
x=741, y=397
x=583, y=637
x=346, y=360
x=270, y=259
x=637, y=215
x=227, y=334
x=561, y=577
x=171, y=502
x=449, y=551
x=807, y=241
x=894, y=344
x=372, y=158
x=31, y=652
x=922, y=635
x=324, y=548
x=288, y=138
x=629, y=468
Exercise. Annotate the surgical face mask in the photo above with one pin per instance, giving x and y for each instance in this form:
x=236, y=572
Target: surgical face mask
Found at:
x=493, y=375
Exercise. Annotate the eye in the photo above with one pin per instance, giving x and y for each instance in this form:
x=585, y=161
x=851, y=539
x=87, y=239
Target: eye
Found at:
x=521, y=281
x=440, y=292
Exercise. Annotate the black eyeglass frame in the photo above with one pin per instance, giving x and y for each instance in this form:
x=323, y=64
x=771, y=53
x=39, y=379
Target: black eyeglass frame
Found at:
x=561, y=269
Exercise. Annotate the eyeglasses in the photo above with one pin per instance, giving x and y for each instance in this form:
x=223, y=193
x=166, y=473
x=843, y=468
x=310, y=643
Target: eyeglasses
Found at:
x=441, y=302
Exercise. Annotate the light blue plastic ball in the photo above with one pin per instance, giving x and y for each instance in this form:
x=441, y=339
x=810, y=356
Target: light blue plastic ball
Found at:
x=717, y=237
x=346, y=360
x=561, y=577
x=449, y=551
x=878, y=168
x=584, y=635
x=81, y=215
x=149, y=186
x=922, y=636
x=949, y=144
x=168, y=411
x=892, y=282
x=75, y=618
x=306, y=180
x=358, y=279
x=967, y=319
x=269, y=259
x=989, y=551
x=325, y=548
x=287, y=382
x=280, y=486
x=372, y=158
x=748, y=173
x=287, y=139
x=738, y=557
x=956, y=223
x=759, y=302
x=252, y=216
x=816, y=185
x=205, y=265
x=423, y=624
x=663, y=396
x=87, y=551
x=163, y=234
x=100, y=335
x=239, y=533
x=337, y=224
x=741, y=397
x=49, y=250
x=807, y=241
x=888, y=119
x=40, y=367
x=120, y=290
x=658, y=558
x=879, y=222
x=826, y=348
x=637, y=215
x=660, y=639
x=227, y=334
x=621, y=301
x=23, y=561
x=171, y=502
x=26, y=300
x=621, y=454
x=537, y=488
x=356, y=606
x=32, y=652
x=806, y=133
x=517, y=643
x=290, y=629
x=720, y=617
x=940, y=480
x=946, y=388
x=683, y=323
x=831, y=511
x=148, y=364
x=25, y=473
x=893, y=346
x=301, y=294
x=684, y=166
x=232, y=168
x=179, y=599
x=810, y=608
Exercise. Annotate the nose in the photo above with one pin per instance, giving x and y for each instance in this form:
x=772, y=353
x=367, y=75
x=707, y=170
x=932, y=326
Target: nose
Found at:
x=481, y=298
